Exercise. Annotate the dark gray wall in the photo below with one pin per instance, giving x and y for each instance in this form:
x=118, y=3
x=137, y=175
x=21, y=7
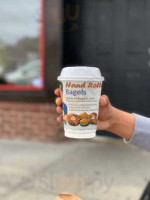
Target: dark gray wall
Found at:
x=114, y=35
x=53, y=43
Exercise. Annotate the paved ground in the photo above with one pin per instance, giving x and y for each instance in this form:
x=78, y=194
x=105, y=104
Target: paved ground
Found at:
x=94, y=170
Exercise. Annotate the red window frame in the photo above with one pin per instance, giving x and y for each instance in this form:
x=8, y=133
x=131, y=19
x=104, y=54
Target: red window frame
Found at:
x=6, y=87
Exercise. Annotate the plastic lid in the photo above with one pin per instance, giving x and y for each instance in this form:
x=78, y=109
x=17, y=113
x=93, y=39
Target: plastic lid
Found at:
x=78, y=72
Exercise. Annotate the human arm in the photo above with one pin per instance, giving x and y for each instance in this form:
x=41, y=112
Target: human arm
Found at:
x=134, y=128
x=110, y=118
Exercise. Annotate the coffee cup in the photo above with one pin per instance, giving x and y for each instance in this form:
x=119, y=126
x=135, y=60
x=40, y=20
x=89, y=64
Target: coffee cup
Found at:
x=81, y=90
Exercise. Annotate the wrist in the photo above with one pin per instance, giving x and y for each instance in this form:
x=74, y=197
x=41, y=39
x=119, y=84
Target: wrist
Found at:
x=122, y=123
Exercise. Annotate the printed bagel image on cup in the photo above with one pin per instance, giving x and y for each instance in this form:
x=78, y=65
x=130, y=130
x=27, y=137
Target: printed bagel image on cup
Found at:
x=81, y=89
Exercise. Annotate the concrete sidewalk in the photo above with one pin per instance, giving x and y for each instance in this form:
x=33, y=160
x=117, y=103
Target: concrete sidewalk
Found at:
x=92, y=169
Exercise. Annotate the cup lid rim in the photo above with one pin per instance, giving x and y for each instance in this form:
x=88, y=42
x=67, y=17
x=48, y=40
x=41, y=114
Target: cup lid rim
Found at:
x=79, y=78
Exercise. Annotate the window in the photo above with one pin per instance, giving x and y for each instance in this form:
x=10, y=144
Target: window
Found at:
x=21, y=29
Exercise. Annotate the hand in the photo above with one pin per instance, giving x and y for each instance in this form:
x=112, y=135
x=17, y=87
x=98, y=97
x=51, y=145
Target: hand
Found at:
x=105, y=117
x=109, y=119
x=106, y=114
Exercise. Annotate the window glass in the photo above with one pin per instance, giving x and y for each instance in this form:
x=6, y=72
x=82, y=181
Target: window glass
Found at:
x=19, y=43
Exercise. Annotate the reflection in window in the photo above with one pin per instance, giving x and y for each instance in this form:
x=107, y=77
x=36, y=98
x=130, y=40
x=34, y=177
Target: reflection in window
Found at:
x=19, y=43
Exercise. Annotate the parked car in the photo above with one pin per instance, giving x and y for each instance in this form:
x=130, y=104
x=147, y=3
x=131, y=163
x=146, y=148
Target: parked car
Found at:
x=24, y=74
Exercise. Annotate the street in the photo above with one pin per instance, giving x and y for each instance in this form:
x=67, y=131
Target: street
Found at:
x=98, y=169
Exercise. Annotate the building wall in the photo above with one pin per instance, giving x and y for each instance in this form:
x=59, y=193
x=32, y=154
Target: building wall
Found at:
x=37, y=120
x=29, y=121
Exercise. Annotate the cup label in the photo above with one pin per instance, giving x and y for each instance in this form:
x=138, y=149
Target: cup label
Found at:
x=81, y=104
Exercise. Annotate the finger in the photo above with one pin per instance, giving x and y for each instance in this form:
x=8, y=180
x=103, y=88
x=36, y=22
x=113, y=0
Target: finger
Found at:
x=104, y=100
x=57, y=92
x=58, y=101
x=59, y=109
x=60, y=119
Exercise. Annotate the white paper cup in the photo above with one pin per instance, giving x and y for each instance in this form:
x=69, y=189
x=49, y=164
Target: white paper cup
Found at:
x=81, y=90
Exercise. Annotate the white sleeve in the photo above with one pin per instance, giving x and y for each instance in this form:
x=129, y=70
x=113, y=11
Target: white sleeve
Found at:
x=141, y=134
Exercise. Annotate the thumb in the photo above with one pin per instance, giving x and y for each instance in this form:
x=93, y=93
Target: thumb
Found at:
x=104, y=101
